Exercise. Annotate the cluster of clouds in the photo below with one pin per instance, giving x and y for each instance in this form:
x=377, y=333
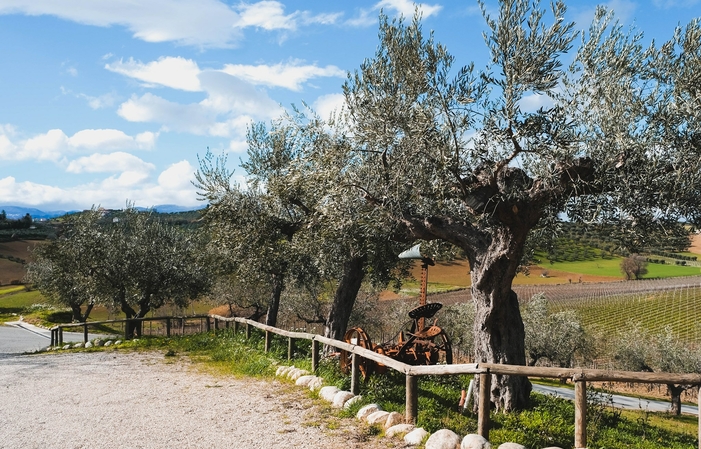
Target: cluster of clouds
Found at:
x=232, y=95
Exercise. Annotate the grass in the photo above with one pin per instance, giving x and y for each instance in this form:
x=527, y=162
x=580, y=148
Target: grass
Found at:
x=549, y=421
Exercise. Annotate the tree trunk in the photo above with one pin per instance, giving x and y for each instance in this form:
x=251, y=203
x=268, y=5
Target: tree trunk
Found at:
x=499, y=331
x=675, y=393
x=77, y=314
x=344, y=298
x=274, y=304
x=129, y=312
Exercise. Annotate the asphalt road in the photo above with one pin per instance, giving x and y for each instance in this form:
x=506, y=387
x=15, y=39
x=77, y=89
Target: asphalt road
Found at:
x=18, y=337
x=624, y=402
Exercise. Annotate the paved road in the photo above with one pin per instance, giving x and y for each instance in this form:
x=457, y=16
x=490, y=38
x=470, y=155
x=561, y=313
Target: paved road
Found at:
x=624, y=402
x=18, y=337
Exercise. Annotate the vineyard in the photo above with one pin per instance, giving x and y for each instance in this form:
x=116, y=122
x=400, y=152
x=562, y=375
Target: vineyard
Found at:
x=674, y=302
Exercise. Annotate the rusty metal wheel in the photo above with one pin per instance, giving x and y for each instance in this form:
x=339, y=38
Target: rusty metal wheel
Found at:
x=357, y=336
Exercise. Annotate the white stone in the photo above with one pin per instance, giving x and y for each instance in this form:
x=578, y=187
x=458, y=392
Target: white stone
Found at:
x=108, y=343
x=304, y=380
x=415, y=437
x=297, y=373
x=78, y=345
x=290, y=372
x=393, y=419
x=474, y=441
x=379, y=417
x=98, y=342
x=316, y=383
x=399, y=429
x=367, y=410
x=66, y=347
x=511, y=446
x=340, y=398
x=349, y=403
x=327, y=393
x=443, y=439
x=88, y=345
x=118, y=342
x=278, y=371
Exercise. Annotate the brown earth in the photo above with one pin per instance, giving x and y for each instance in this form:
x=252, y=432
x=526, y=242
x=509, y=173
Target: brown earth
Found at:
x=11, y=270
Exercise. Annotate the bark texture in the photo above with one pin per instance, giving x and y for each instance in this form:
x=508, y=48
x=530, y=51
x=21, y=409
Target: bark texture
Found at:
x=344, y=298
x=274, y=304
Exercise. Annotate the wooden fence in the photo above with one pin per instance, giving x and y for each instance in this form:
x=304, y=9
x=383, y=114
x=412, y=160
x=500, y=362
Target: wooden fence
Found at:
x=484, y=371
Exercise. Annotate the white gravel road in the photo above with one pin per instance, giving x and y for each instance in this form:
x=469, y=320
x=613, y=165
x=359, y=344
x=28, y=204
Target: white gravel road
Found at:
x=116, y=399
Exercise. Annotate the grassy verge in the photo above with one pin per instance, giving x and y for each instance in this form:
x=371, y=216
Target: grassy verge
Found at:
x=548, y=422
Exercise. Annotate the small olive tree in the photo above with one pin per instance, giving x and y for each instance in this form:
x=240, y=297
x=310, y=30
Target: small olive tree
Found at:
x=634, y=266
x=638, y=349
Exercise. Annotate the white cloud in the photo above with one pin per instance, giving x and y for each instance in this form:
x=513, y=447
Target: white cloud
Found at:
x=202, y=23
x=533, y=102
x=329, y=104
x=230, y=103
x=173, y=186
x=407, y=7
x=109, y=163
x=174, y=72
x=55, y=144
x=288, y=75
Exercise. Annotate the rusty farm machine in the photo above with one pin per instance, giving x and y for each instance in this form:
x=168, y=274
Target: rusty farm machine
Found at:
x=421, y=344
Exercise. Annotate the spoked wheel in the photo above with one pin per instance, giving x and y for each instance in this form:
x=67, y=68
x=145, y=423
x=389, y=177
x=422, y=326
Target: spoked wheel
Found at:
x=444, y=348
x=357, y=336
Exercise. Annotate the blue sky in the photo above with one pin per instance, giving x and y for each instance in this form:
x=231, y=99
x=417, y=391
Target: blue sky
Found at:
x=105, y=101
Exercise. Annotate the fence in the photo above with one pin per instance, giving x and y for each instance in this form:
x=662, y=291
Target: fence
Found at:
x=484, y=371
x=183, y=325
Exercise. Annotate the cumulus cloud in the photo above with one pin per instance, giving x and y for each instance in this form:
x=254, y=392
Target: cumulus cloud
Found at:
x=230, y=102
x=174, y=72
x=202, y=23
x=406, y=8
x=533, y=102
x=172, y=186
x=55, y=144
x=291, y=75
x=329, y=104
x=118, y=161
x=102, y=101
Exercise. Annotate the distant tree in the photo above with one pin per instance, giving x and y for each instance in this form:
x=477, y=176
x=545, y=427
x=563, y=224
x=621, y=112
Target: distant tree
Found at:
x=63, y=270
x=556, y=337
x=634, y=266
x=3, y=215
x=638, y=349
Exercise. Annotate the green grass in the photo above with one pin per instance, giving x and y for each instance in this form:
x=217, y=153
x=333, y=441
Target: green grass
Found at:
x=612, y=268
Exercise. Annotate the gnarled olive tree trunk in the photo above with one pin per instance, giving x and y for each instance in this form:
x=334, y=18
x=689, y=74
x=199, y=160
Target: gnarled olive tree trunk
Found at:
x=278, y=283
x=499, y=332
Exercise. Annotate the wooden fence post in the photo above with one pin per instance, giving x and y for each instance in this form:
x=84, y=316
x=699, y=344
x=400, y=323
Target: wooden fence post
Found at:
x=248, y=331
x=290, y=348
x=412, y=399
x=167, y=327
x=182, y=325
x=208, y=326
x=315, y=355
x=483, y=424
x=85, y=332
x=580, y=413
x=355, y=374
x=268, y=336
x=127, y=326
x=699, y=410
x=236, y=327
x=216, y=323
x=60, y=336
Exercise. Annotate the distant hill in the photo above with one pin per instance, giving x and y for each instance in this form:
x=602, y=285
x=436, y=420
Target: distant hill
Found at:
x=15, y=212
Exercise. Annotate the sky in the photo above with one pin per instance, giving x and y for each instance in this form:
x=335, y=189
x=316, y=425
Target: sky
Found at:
x=109, y=101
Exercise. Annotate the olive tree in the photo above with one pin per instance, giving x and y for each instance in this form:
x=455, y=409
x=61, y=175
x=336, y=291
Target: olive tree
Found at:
x=455, y=154
x=638, y=349
x=556, y=337
x=63, y=269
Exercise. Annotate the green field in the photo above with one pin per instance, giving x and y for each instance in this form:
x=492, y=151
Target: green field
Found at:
x=612, y=268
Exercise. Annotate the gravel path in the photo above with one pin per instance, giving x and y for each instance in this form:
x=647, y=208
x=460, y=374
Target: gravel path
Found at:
x=115, y=399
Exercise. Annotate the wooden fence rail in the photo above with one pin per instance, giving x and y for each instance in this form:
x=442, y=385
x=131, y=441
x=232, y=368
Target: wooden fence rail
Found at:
x=483, y=371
